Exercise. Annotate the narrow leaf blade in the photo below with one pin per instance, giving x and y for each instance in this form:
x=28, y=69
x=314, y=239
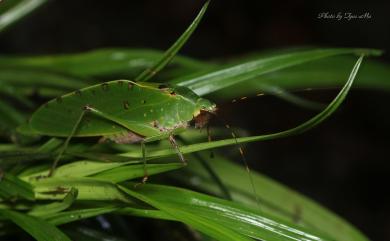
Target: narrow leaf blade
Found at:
x=36, y=227
x=224, y=77
x=171, y=52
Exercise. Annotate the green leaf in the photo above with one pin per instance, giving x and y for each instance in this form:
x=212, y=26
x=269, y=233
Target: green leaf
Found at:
x=224, y=77
x=124, y=173
x=218, y=218
x=50, y=145
x=79, y=169
x=171, y=52
x=14, y=157
x=103, y=157
x=145, y=213
x=205, y=225
x=12, y=93
x=55, y=207
x=36, y=227
x=18, y=11
x=112, y=172
x=276, y=199
x=75, y=215
x=13, y=187
x=319, y=74
x=10, y=117
x=282, y=94
x=55, y=188
x=27, y=80
x=112, y=63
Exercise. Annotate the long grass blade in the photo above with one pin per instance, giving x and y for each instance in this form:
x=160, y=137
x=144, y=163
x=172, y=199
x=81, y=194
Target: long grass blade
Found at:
x=276, y=199
x=206, y=83
x=55, y=207
x=219, y=217
x=211, y=228
x=18, y=11
x=13, y=187
x=112, y=63
x=36, y=227
x=171, y=52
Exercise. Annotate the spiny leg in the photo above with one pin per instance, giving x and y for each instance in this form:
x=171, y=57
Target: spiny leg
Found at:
x=65, y=146
x=177, y=149
x=90, y=109
x=143, y=150
x=116, y=120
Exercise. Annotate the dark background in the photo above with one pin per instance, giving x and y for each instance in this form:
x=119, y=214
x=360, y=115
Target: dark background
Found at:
x=342, y=164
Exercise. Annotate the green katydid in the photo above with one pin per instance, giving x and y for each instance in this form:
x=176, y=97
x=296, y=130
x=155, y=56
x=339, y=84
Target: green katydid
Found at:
x=126, y=111
x=123, y=111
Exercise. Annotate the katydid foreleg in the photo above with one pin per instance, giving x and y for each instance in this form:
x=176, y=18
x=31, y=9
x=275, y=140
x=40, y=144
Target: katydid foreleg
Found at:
x=177, y=149
x=143, y=150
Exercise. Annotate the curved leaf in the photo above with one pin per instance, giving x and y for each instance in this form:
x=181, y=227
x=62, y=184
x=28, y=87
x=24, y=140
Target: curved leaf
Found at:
x=112, y=62
x=211, y=228
x=212, y=81
x=18, y=11
x=221, y=219
x=75, y=215
x=13, y=187
x=36, y=227
x=275, y=198
x=55, y=207
x=319, y=74
x=171, y=52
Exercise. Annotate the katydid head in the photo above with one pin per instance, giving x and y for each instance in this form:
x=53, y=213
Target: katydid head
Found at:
x=206, y=105
x=206, y=109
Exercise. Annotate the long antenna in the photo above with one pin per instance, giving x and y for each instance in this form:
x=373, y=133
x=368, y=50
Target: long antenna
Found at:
x=244, y=161
x=209, y=139
x=224, y=191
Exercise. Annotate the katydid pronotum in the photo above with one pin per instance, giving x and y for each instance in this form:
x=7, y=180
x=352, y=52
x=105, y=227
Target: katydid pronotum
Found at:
x=123, y=111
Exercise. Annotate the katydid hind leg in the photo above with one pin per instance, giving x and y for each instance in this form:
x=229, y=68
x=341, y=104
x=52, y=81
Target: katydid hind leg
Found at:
x=209, y=139
x=143, y=150
x=143, y=147
x=66, y=143
x=86, y=108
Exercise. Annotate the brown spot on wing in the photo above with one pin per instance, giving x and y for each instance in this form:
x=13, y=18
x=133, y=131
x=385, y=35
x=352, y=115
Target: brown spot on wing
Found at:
x=105, y=86
x=126, y=104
